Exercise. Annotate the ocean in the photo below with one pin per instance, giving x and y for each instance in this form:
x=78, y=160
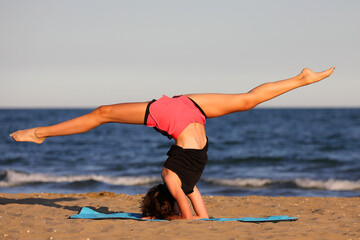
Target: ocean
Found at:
x=270, y=152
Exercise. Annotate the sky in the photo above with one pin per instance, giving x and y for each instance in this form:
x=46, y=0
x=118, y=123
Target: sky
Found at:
x=86, y=53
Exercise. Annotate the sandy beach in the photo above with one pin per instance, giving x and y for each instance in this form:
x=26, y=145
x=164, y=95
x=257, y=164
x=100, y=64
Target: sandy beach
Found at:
x=45, y=216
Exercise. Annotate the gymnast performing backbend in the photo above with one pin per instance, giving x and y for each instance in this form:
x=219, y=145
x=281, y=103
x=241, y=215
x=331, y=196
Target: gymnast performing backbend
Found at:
x=182, y=118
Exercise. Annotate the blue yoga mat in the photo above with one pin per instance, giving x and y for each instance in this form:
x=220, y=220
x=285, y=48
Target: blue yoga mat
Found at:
x=87, y=213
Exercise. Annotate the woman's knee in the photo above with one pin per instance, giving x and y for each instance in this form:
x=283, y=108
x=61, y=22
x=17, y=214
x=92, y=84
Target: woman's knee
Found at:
x=247, y=101
x=103, y=113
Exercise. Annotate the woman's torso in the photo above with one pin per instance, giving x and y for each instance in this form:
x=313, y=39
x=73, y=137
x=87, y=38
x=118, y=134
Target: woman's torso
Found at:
x=193, y=137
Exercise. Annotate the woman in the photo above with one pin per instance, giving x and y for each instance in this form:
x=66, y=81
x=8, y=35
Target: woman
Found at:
x=182, y=118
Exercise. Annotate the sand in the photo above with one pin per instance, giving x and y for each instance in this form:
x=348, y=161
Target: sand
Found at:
x=45, y=216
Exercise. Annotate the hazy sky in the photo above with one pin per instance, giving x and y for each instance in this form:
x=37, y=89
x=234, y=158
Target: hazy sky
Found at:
x=87, y=53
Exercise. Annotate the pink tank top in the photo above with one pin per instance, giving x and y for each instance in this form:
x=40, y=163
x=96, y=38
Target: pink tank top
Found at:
x=173, y=115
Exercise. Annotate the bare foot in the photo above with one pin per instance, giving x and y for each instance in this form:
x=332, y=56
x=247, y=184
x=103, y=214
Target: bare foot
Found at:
x=27, y=135
x=308, y=76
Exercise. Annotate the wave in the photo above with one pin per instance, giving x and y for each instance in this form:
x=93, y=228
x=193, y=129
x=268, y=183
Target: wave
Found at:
x=304, y=183
x=239, y=182
x=11, y=178
x=330, y=184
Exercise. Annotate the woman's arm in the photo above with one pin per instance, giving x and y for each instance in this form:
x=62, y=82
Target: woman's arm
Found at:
x=173, y=183
x=198, y=204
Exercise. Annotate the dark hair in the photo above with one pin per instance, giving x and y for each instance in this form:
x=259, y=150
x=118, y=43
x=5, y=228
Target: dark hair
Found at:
x=158, y=203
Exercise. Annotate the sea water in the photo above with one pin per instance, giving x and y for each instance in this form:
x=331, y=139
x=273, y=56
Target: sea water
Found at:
x=272, y=152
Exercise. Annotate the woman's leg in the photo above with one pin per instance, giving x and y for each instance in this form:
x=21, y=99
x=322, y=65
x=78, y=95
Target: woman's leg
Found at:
x=215, y=105
x=131, y=113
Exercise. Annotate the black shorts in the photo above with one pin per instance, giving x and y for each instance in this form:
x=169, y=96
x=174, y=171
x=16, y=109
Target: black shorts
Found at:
x=188, y=164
